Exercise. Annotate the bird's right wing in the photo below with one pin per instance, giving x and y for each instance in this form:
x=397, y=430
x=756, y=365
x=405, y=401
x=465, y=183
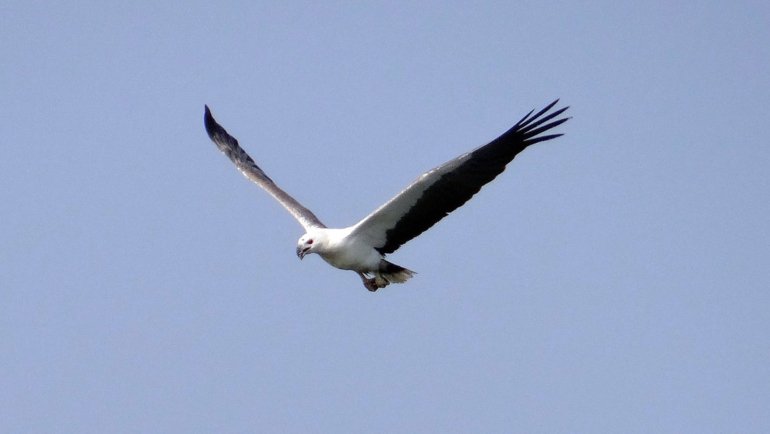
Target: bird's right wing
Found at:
x=436, y=193
x=229, y=146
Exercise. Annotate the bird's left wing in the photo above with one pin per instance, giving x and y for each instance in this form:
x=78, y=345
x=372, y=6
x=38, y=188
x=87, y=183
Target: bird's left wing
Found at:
x=440, y=191
x=230, y=147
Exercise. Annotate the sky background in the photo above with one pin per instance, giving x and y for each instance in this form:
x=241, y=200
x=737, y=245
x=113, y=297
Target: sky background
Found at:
x=616, y=279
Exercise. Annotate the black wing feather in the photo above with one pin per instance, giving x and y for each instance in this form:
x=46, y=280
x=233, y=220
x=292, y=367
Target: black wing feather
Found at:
x=457, y=186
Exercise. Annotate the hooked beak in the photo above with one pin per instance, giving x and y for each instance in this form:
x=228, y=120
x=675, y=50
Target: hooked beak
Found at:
x=301, y=252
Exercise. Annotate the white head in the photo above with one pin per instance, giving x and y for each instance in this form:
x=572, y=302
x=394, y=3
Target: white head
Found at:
x=311, y=242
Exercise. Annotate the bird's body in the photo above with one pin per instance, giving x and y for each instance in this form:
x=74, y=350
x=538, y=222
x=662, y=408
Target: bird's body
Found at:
x=340, y=250
x=363, y=246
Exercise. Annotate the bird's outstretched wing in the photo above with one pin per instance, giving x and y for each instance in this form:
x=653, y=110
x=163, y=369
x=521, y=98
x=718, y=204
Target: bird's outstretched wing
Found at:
x=443, y=189
x=229, y=146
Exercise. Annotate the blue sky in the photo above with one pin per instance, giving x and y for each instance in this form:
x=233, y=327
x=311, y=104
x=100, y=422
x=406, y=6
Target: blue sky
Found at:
x=613, y=280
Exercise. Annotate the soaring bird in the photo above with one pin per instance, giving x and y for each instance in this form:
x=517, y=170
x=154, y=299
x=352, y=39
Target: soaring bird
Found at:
x=432, y=196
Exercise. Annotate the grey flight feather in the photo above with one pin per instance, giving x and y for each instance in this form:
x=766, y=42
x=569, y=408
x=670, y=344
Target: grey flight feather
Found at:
x=229, y=146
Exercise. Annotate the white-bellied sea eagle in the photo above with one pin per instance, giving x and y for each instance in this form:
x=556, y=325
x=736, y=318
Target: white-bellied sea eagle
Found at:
x=432, y=196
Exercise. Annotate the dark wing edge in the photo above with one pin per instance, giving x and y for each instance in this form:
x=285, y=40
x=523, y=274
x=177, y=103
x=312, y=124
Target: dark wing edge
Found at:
x=246, y=165
x=442, y=190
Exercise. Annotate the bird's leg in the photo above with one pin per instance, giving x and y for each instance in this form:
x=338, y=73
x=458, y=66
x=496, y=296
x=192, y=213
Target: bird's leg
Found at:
x=370, y=284
x=380, y=281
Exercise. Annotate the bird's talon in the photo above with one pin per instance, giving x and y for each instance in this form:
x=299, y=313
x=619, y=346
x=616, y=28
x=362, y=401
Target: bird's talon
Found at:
x=371, y=285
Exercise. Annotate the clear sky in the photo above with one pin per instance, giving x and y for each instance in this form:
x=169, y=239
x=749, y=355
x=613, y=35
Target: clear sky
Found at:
x=616, y=279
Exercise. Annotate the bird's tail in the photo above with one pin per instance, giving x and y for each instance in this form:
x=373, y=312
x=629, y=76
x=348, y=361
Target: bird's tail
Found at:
x=394, y=273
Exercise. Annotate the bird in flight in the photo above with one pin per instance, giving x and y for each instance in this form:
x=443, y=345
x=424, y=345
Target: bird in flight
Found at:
x=431, y=197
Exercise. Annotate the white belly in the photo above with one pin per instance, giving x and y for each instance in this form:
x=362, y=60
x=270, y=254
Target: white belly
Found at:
x=349, y=255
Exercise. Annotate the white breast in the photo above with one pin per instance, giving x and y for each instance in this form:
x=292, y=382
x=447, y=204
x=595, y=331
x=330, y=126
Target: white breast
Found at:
x=349, y=253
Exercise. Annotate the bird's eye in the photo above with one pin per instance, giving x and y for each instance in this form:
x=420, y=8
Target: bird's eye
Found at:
x=310, y=241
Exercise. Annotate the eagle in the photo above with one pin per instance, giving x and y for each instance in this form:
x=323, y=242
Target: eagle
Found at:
x=363, y=246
